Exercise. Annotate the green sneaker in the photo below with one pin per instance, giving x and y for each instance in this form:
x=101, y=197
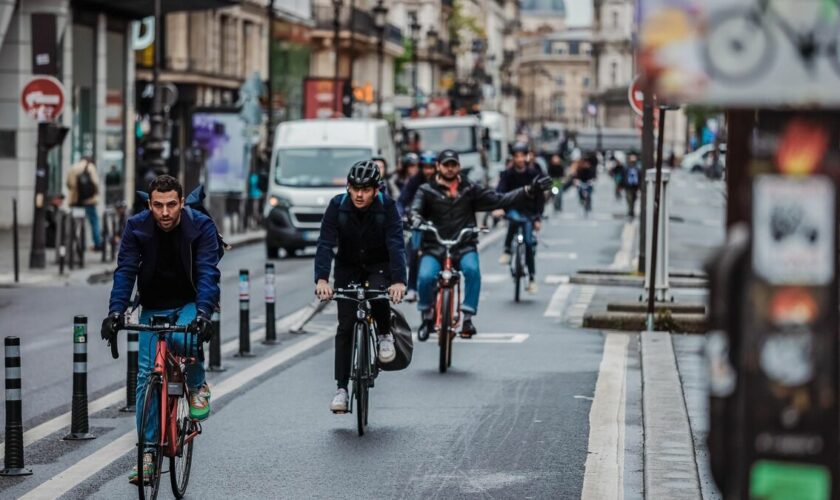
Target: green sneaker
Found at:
x=148, y=469
x=200, y=403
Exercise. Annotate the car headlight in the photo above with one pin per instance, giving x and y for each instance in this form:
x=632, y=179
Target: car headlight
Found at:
x=276, y=201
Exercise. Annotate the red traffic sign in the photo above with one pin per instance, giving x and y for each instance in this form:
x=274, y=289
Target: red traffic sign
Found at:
x=636, y=97
x=43, y=98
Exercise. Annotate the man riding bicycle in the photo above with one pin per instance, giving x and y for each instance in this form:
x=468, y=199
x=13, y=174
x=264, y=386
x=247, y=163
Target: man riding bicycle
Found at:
x=368, y=231
x=172, y=253
x=428, y=167
x=450, y=203
x=526, y=212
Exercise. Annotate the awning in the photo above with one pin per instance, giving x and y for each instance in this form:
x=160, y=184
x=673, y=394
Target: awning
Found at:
x=138, y=9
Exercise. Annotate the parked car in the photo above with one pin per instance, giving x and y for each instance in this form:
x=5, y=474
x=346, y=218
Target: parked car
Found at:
x=699, y=160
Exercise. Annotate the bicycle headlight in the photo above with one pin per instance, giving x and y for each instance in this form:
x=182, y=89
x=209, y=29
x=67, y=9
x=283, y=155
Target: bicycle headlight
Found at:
x=446, y=275
x=360, y=295
x=360, y=314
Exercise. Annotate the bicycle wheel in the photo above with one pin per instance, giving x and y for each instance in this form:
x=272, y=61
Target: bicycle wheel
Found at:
x=360, y=387
x=445, y=335
x=148, y=489
x=517, y=272
x=179, y=465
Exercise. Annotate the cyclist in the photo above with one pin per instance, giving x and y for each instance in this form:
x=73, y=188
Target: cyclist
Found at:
x=631, y=183
x=409, y=167
x=584, y=174
x=450, y=203
x=527, y=212
x=172, y=252
x=367, y=230
x=428, y=166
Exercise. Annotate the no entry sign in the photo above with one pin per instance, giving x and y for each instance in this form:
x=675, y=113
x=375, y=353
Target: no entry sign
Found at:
x=636, y=97
x=43, y=98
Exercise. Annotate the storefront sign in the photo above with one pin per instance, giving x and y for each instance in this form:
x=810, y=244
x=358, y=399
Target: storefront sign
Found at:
x=322, y=97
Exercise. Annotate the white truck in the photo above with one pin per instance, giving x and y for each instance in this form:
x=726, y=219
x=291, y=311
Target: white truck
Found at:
x=463, y=134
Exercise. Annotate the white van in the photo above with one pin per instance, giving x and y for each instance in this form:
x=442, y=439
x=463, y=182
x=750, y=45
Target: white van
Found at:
x=309, y=164
x=498, y=128
x=462, y=134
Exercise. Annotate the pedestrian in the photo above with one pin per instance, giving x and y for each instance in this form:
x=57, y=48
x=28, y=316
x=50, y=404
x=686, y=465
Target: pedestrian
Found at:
x=255, y=199
x=617, y=171
x=631, y=183
x=83, y=183
x=113, y=186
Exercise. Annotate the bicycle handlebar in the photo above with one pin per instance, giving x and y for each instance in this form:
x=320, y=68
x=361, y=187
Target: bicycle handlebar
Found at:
x=352, y=294
x=467, y=231
x=115, y=353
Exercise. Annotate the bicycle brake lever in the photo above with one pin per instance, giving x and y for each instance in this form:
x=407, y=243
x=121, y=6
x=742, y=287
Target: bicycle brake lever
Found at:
x=114, y=350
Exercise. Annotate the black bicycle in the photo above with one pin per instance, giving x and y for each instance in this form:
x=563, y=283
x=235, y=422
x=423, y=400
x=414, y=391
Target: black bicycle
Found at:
x=365, y=346
x=518, y=257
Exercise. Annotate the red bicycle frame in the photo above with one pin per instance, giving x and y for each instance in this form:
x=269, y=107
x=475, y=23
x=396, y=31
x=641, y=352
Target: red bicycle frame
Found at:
x=454, y=310
x=168, y=439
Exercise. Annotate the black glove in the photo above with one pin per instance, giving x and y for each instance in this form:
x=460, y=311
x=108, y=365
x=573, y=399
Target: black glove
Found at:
x=538, y=185
x=202, y=327
x=111, y=325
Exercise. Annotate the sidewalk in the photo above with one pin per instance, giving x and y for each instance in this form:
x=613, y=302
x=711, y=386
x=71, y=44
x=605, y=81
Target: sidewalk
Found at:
x=93, y=260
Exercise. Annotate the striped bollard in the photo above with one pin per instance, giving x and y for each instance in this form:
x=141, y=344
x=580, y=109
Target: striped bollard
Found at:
x=79, y=428
x=13, y=458
x=244, y=315
x=270, y=291
x=215, y=361
x=132, y=339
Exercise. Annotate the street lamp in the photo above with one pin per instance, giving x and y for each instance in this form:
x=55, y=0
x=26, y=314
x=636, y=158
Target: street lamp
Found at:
x=414, y=26
x=337, y=5
x=432, y=38
x=380, y=19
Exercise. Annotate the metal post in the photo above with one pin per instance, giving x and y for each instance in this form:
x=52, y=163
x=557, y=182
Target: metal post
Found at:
x=380, y=54
x=104, y=235
x=647, y=162
x=270, y=121
x=13, y=458
x=154, y=146
x=336, y=29
x=131, y=372
x=37, y=254
x=82, y=242
x=348, y=97
x=655, y=235
x=62, y=246
x=244, y=314
x=79, y=428
x=216, y=343
x=15, y=239
x=270, y=292
x=71, y=257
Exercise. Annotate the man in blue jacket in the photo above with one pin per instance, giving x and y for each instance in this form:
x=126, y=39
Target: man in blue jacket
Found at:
x=172, y=253
x=367, y=231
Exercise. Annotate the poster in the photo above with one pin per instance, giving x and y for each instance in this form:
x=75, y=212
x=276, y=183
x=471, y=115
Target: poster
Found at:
x=322, y=97
x=226, y=146
x=741, y=52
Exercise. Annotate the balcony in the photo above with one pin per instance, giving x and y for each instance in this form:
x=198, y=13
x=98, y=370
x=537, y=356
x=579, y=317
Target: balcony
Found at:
x=362, y=23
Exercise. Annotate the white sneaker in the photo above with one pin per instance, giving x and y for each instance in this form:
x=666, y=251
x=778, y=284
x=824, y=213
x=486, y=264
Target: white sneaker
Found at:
x=532, y=287
x=339, y=402
x=387, y=353
x=411, y=296
x=504, y=259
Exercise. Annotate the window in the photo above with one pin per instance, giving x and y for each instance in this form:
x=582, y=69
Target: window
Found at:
x=585, y=81
x=559, y=80
x=614, y=73
x=559, y=106
x=615, y=19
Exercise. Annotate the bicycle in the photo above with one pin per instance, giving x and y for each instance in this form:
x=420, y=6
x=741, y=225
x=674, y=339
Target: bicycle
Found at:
x=364, y=369
x=447, y=314
x=166, y=387
x=519, y=255
x=585, y=194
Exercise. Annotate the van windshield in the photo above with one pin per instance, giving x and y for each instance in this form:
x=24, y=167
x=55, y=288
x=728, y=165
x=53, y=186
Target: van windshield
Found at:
x=322, y=167
x=460, y=139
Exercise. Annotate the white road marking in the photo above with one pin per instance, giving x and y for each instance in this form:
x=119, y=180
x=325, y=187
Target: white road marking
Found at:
x=66, y=480
x=556, y=242
x=578, y=309
x=625, y=253
x=604, y=473
x=485, y=338
x=494, y=278
x=557, y=255
x=588, y=398
x=556, y=279
x=557, y=304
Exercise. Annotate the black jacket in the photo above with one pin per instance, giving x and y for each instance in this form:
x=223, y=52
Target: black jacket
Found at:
x=450, y=215
x=365, y=239
x=512, y=179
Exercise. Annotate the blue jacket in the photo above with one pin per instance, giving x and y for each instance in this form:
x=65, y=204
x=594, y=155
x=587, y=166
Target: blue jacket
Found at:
x=138, y=255
x=375, y=239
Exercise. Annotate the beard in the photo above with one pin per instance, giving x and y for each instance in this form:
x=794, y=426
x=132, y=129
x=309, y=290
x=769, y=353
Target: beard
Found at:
x=449, y=177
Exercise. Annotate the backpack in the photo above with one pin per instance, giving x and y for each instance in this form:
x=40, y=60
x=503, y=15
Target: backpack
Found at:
x=633, y=176
x=195, y=201
x=342, y=215
x=85, y=187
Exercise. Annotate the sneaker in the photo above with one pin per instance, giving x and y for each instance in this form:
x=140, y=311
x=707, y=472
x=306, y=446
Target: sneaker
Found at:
x=148, y=469
x=468, y=329
x=200, y=403
x=425, y=330
x=387, y=352
x=504, y=259
x=532, y=287
x=411, y=296
x=339, y=402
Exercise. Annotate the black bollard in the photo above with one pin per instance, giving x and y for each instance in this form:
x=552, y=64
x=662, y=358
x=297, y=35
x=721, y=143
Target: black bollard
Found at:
x=15, y=239
x=13, y=459
x=216, y=343
x=62, y=245
x=79, y=428
x=244, y=314
x=131, y=372
x=270, y=290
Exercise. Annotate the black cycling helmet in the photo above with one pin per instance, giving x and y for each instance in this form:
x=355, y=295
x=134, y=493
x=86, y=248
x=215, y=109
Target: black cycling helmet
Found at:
x=364, y=174
x=519, y=147
x=428, y=158
x=411, y=159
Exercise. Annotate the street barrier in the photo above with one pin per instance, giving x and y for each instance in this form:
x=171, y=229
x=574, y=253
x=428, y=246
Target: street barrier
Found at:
x=244, y=314
x=79, y=428
x=133, y=344
x=662, y=262
x=13, y=458
x=270, y=291
x=216, y=343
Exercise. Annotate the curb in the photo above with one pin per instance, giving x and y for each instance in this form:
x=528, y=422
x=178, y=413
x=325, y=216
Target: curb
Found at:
x=633, y=281
x=659, y=307
x=635, y=322
x=670, y=466
x=674, y=273
x=248, y=239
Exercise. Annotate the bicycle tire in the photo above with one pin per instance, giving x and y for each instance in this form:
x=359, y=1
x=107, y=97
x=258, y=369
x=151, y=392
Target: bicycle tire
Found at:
x=360, y=382
x=153, y=486
x=445, y=335
x=517, y=273
x=179, y=467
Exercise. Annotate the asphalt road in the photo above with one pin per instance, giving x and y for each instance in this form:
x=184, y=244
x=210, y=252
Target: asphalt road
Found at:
x=511, y=419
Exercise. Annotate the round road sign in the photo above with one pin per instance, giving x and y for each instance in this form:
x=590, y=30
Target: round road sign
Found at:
x=43, y=98
x=636, y=97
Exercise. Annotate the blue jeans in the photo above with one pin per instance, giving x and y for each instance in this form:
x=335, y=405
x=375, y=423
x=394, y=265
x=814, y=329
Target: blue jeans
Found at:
x=427, y=278
x=93, y=218
x=517, y=219
x=175, y=342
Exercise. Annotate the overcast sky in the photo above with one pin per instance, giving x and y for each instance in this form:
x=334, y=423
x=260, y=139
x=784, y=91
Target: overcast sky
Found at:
x=578, y=12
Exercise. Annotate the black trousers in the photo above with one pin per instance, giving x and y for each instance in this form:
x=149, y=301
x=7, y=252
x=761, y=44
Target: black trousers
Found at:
x=377, y=277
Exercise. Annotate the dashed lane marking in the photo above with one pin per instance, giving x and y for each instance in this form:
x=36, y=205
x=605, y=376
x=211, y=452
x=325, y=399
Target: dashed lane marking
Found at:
x=584, y=298
x=485, y=338
x=557, y=305
x=556, y=279
x=557, y=255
